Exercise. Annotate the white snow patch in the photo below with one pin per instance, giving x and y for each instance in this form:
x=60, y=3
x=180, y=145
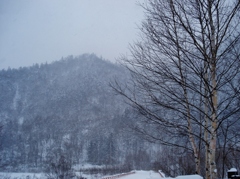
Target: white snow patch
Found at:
x=233, y=170
x=143, y=175
x=189, y=177
x=161, y=173
x=155, y=175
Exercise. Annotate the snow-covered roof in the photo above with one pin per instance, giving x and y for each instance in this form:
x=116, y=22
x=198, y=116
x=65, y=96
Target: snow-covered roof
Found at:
x=233, y=170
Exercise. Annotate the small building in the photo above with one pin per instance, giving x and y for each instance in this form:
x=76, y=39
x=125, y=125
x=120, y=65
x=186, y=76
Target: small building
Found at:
x=233, y=174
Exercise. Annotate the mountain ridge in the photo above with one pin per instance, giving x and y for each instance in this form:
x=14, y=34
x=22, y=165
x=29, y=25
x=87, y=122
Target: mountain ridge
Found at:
x=65, y=108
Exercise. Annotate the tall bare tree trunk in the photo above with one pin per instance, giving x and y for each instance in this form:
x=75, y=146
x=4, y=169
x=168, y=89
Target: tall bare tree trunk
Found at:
x=213, y=140
x=187, y=103
x=213, y=50
x=206, y=124
x=187, y=44
x=189, y=121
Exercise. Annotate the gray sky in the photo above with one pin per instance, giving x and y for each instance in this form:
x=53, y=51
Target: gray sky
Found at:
x=36, y=31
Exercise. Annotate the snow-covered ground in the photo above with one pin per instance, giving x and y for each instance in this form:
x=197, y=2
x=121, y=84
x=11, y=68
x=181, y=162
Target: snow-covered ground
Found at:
x=155, y=175
x=189, y=177
x=143, y=175
x=136, y=175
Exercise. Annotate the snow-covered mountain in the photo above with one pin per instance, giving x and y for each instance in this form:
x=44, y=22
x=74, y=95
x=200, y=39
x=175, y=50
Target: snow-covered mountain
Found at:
x=67, y=108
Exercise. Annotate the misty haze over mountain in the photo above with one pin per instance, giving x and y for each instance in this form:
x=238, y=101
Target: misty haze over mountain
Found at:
x=67, y=108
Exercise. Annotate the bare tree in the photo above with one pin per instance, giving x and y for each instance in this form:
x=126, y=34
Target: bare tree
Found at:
x=185, y=73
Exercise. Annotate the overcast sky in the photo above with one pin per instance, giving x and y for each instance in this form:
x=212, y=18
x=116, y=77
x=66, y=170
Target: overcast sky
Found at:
x=39, y=31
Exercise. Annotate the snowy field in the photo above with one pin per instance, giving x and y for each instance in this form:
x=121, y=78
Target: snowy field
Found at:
x=136, y=175
x=155, y=175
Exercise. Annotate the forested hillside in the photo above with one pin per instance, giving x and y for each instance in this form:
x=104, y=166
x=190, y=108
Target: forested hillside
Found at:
x=68, y=109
